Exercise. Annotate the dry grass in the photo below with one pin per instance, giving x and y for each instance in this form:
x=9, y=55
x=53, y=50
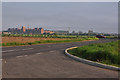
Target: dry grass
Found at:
x=27, y=39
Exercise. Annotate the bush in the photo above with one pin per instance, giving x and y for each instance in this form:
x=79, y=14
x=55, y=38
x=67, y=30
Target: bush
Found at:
x=30, y=43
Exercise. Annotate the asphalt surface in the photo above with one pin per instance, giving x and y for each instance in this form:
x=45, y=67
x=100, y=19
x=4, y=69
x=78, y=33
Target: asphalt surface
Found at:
x=49, y=61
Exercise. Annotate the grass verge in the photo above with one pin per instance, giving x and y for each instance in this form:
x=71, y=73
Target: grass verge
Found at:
x=106, y=53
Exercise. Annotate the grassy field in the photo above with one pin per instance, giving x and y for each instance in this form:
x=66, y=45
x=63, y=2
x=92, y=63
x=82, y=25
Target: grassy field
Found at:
x=106, y=53
x=17, y=41
x=112, y=37
x=52, y=36
x=46, y=36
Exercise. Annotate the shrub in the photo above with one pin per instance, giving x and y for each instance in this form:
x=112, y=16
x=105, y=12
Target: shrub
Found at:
x=30, y=43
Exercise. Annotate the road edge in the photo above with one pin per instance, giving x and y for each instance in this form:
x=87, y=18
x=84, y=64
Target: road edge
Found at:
x=90, y=62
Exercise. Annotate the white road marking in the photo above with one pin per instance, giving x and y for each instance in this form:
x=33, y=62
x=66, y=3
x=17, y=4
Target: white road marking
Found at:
x=5, y=61
x=8, y=51
x=27, y=49
x=38, y=53
x=19, y=56
x=30, y=48
x=25, y=55
x=52, y=51
x=16, y=50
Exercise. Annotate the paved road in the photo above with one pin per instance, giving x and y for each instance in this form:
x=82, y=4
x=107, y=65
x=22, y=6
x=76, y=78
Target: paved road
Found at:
x=49, y=61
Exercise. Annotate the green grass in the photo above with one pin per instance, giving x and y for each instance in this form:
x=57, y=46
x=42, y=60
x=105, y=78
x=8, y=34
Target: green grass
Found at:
x=112, y=37
x=46, y=41
x=106, y=53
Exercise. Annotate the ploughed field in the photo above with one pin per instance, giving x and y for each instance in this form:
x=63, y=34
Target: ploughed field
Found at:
x=17, y=41
x=27, y=39
x=107, y=53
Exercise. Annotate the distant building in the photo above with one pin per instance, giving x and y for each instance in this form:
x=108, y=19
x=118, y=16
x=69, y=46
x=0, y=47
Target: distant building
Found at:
x=90, y=32
x=73, y=32
x=6, y=32
x=42, y=30
x=62, y=32
x=35, y=31
x=80, y=32
x=48, y=32
x=23, y=29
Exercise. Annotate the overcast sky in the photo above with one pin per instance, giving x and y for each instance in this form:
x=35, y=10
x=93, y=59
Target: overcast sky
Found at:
x=79, y=16
x=60, y=0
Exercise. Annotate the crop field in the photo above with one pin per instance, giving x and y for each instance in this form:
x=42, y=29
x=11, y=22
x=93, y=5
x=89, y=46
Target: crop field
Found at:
x=107, y=53
x=16, y=40
x=26, y=39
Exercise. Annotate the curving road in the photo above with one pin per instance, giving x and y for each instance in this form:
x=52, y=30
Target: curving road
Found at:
x=49, y=61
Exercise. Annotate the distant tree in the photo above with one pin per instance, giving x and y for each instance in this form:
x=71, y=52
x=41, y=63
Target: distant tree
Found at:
x=73, y=32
